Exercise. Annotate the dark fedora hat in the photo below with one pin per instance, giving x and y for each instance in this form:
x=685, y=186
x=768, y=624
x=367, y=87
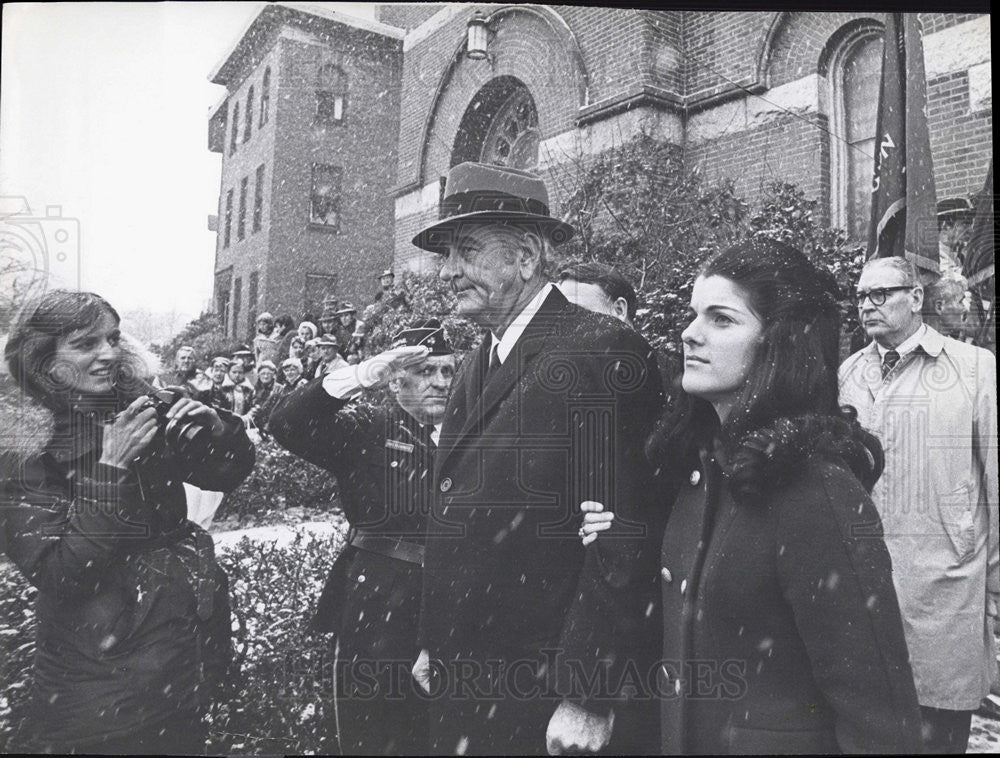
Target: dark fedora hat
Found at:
x=479, y=192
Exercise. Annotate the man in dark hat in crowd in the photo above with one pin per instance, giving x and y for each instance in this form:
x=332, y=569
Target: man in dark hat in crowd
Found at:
x=954, y=216
x=390, y=295
x=382, y=457
x=386, y=280
x=344, y=330
x=328, y=319
x=329, y=355
x=552, y=409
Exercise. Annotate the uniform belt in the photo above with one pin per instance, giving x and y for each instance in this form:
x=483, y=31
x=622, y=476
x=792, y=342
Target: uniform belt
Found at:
x=410, y=552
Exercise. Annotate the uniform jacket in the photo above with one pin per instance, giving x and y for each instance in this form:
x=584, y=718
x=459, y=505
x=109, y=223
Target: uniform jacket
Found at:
x=563, y=420
x=382, y=458
x=781, y=629
x=133, y=611
x=936, y=417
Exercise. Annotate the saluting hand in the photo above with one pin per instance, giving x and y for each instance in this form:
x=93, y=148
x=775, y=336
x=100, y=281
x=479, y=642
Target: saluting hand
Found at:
x=379, y=368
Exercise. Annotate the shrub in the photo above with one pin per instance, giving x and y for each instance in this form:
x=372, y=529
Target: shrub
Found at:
x=278, y=698
x=279, y=480
x=17, y=652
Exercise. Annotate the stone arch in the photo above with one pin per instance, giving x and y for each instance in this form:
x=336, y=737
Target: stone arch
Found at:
x=797, y=44
x=532, y=44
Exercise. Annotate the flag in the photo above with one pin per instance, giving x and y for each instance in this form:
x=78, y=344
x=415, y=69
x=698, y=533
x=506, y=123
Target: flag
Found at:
x=979, y=262
x=904, y=213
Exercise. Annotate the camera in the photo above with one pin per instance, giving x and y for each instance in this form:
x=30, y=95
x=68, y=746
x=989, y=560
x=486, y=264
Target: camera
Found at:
x=187, y=438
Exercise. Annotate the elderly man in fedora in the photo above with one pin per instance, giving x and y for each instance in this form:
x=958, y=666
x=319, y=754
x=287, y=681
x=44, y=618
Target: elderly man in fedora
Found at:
x=519, y=621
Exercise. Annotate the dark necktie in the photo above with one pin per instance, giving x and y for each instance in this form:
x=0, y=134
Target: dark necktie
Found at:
x=889, y=361
x=494, y=365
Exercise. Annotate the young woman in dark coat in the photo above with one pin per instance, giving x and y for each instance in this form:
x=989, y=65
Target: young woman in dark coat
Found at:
x=132, y=609
x=781, y=628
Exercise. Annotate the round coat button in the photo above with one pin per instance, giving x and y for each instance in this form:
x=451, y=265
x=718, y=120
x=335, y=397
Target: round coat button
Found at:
x=667, y=576
x=445, y=484
x=361, y=577
x=695, y=477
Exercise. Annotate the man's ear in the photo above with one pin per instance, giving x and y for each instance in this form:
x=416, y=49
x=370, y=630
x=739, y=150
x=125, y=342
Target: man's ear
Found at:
x=939, y=306
x=917, y=293
x=531, y=256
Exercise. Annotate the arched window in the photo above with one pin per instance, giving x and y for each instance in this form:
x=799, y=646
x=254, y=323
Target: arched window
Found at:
x=265, y=97
x=331, y=94
x=236, y=127
x=500, y=126
x=249, y=122
x=854, y=74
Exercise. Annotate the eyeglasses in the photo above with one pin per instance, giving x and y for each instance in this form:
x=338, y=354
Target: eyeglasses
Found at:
x=878, y=295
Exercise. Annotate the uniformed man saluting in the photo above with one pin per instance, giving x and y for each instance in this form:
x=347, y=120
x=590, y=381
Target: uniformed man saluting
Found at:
x=383, y=460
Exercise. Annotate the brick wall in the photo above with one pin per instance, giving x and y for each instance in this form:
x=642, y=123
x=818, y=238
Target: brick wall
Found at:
x=364, y=147
x=407, y=16
x=721, y=48
x=961, y=140
x=787, y=149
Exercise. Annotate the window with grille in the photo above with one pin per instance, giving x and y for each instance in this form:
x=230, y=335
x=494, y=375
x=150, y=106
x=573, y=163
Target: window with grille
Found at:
x=855, y=72
x=237, y=302
x=252, y=302
x=249, y=122
x=258, y=198
x=265, y=97
x=235, y=128
x=227, y=229
x=324, y=200
x=331, y=94
x=241, y=223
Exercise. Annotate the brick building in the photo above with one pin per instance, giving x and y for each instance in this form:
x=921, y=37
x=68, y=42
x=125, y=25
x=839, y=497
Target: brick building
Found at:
x=753, y=96
x=307, y=133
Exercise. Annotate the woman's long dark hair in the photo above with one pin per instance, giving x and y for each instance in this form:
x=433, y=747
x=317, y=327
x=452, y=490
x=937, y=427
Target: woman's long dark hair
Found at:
x=34, y=338
x=793, y=373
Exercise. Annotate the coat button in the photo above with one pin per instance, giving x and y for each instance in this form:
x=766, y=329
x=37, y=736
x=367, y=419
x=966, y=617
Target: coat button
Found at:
x=667, y=576
x=695, y=477
x=684, y=585
x=361, y=577
x=445, y=484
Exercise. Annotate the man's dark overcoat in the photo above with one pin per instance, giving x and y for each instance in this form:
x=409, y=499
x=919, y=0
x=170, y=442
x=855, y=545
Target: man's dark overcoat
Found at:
x=382, y=458
x=564, y=419
x=781, y=627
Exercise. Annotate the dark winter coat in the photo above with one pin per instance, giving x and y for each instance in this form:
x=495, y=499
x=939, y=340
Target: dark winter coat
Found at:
x=382, y=459
x=782, y=631
x=133, y=611
x=563, y=420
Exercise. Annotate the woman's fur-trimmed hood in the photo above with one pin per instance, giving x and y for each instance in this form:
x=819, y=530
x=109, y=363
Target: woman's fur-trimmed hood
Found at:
x=27, y=425
x=769, y=457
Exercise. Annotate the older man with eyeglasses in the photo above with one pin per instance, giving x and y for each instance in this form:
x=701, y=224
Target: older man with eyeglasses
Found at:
x=932, y=401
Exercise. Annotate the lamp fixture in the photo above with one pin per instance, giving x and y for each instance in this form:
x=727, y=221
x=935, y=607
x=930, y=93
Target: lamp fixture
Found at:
x=477, y=37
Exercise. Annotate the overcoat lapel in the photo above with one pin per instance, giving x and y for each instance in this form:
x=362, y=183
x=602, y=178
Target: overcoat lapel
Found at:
x=480, y=401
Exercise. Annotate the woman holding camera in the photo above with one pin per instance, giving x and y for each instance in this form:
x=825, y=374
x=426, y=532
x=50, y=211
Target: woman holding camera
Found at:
x=132, y=609
x=781, y=627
